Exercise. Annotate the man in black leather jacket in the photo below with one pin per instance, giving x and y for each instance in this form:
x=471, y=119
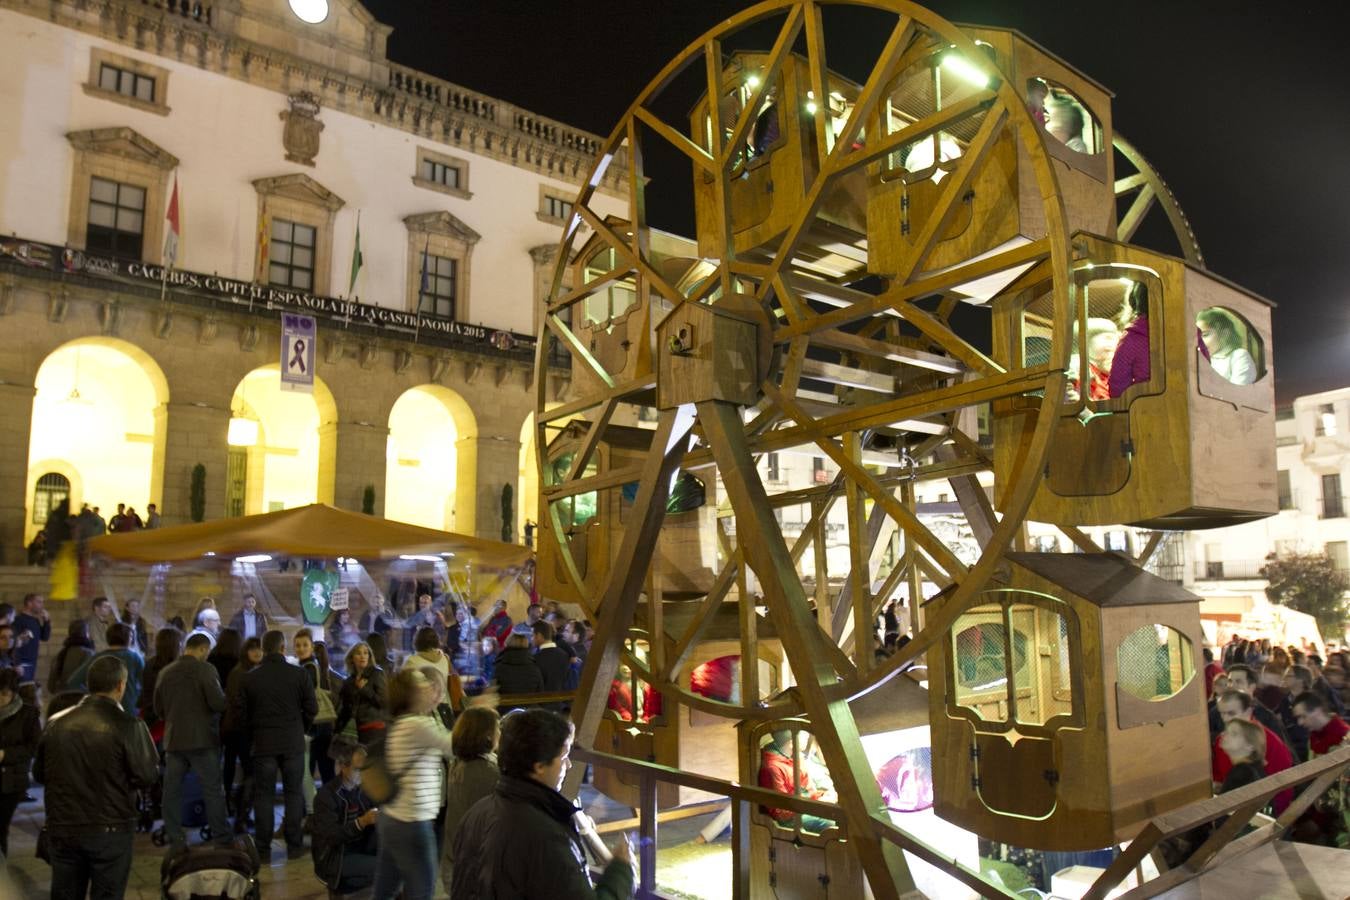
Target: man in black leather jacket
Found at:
x=92, y=758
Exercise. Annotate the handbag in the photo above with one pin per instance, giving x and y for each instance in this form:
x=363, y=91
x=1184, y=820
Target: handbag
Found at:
x=327, y=713
x=377, y=781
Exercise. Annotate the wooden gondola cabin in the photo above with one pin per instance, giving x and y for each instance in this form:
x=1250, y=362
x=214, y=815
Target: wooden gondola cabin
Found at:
x=1003, y=206
x=640, y=724
x=1068, y=707
x=592, y=522
x=774, y=164
x=1192, y=444
x=795, y=855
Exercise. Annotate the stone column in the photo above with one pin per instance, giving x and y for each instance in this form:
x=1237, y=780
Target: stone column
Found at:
x=194, y=433
x=495, y=462
x=16, y=412
x=359, y=460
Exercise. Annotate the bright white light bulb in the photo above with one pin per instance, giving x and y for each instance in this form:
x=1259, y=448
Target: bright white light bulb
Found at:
x=311, y=11
x=965, y=70
x=752, y=82
x=811, y=107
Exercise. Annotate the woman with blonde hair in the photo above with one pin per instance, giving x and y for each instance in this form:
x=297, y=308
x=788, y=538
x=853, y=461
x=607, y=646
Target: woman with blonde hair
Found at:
x=1226, y=353
x=362, y=698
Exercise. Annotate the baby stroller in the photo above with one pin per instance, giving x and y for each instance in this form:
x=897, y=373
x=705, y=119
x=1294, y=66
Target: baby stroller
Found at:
x=213, y=873
x=193, y=814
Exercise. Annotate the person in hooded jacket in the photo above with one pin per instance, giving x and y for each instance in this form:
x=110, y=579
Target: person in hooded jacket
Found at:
x=516, y=671
x=20, y=730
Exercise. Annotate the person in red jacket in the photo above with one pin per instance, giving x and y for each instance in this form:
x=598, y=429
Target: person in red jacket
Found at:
x=1326, y=730
x=1237, y=705
x=498, y=626
x=776, y=774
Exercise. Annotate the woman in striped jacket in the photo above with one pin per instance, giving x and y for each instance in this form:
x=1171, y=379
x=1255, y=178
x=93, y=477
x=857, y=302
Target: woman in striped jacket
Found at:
x=415, y=749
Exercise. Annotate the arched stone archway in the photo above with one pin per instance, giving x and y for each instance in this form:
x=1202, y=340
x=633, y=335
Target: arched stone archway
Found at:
x=99, y=419
x=432, y=460
x=289, y=459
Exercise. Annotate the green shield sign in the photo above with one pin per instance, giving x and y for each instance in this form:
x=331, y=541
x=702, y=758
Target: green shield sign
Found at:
x=316, y=594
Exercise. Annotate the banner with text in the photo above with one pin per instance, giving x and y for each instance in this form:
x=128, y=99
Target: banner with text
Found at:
x=297, y=352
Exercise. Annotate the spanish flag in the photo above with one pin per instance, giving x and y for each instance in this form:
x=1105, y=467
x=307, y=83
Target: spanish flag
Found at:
x=264, y=245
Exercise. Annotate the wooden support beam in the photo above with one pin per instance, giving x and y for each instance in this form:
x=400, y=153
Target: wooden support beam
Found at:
x=806, y=648
x=860, y=551
x=619, y=597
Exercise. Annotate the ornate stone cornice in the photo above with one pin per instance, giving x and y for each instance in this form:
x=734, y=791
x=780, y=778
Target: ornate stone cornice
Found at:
x=399, y=97
x=299, y=186
x=124, y=142
x=441, y=222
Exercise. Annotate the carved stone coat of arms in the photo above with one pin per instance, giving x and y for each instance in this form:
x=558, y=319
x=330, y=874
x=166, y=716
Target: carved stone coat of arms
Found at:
x=301, y=134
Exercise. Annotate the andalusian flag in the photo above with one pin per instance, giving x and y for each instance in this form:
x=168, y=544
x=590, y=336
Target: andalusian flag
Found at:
x=356, y=256
x=172, y=233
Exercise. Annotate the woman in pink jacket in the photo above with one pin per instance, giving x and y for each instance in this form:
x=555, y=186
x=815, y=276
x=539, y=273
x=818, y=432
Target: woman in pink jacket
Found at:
x=1131, y=362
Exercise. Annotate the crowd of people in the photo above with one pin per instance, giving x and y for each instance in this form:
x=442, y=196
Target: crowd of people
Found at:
x=1271, y=708
x=140, y=718
x=63, y=527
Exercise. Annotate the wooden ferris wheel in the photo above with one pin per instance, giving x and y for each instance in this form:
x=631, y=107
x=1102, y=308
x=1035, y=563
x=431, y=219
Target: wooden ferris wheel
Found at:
x=883, y=254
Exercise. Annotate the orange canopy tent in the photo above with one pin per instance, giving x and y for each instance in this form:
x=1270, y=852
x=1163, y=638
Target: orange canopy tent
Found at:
x=307, y=532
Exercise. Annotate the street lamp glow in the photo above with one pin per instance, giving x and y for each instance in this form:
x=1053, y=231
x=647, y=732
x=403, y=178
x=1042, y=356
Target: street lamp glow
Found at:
x=310, y=11
x=242, y=432
x=255, y=558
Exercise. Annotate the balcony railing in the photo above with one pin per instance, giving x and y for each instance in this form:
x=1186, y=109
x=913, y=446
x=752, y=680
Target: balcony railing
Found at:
x=1228, y=569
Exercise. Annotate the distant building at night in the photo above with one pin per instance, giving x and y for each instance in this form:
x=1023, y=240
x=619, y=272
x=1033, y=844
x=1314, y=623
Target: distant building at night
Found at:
x=248, y=145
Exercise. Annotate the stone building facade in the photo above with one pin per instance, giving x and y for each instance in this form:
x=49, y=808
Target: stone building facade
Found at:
x=282, y=141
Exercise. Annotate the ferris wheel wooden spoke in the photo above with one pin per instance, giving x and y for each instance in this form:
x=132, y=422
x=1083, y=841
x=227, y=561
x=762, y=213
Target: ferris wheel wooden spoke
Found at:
x=768, y=77
x=592, y=439
x=575, y=296
x=954, y=187
x=1148, y=182
x=927, y=126
x=891, y=60
x=612, y=238
x=579, y=350
x=808, y=650
x=856, y=474
x=700, y=156
x=708, y=608
x=623, y=584
x=815, y=59
x=868, y=305
x=935, y=330
x=1081, y=539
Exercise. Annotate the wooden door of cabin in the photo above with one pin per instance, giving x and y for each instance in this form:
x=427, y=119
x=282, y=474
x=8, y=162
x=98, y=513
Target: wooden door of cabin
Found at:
x=1091, y=458
x=1016, y=774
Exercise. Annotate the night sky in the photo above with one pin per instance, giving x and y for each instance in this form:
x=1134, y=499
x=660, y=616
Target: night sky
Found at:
x=1243, y=107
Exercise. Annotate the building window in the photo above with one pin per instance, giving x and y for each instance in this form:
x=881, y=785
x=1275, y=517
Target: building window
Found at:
x=557, y=208
x=1332, y=505
x=439, y=172
x=128, y=84
x=773, y=467
x=53, y=487
x=1326, y=420
x=1339, y=552
x=116, y=218
x=440, y=277
x=554, y=207
x=1286, y=491
x=131, y=82
x=818, y=473
x=290, y=255
x=437, y=294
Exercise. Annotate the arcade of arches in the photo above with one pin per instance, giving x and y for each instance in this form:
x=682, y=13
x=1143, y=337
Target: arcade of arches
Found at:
x=103, y=419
